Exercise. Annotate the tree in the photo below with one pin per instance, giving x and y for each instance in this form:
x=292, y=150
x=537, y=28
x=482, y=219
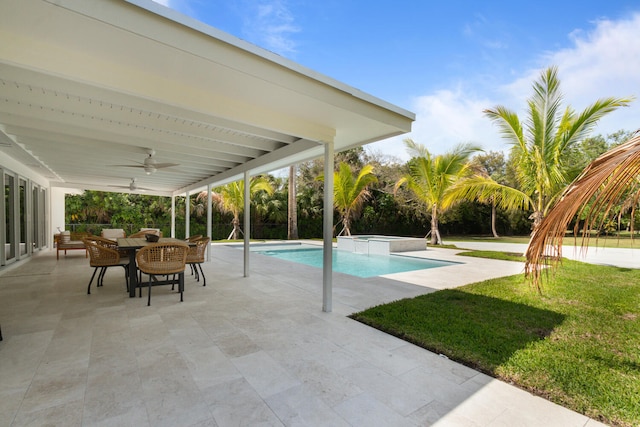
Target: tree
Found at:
x=230, y=199
x=292, y=205
x=93, y=210
x=488, y=185
x=539, y=147
x=484, y=189
x=494, y=166
x=431, y=178
x=350, y=192
x=270, y=207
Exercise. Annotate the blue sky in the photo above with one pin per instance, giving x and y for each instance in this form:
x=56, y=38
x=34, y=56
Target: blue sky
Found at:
x=446, y=61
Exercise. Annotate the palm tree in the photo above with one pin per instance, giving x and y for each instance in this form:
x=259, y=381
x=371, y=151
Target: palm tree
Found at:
x=292, y=205
x=494, y=166
x=605, y=184
x=431, y=178
x=539, y=147
x=269, y=206
x=230, y=199
x=350, y=192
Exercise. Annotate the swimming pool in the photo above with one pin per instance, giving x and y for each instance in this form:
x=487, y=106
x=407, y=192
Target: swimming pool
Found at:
x=355, y=264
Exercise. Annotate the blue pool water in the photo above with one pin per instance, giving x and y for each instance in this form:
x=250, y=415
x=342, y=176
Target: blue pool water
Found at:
x=355, y=264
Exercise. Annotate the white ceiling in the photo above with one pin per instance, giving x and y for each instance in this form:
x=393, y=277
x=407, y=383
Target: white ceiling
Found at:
x=88, y=86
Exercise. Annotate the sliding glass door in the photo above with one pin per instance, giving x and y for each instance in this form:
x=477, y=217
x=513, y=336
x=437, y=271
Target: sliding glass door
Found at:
x=9, y=235
x=23, y=217
x=37, y=232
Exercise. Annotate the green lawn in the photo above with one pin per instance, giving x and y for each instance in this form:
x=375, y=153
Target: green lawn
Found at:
x=577, y=345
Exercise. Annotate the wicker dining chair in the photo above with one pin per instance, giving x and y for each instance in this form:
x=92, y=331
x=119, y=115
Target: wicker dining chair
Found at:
x=193, y=238
x=102, y=241
x=195, y=258
x=101, y=256
x=162, y=259
x=111, y=244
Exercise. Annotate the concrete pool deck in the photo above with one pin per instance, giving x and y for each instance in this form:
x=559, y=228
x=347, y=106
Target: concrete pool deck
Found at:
x=249, y=351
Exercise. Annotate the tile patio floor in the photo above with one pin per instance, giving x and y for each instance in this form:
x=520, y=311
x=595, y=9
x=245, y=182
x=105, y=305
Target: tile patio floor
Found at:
x=239, y=352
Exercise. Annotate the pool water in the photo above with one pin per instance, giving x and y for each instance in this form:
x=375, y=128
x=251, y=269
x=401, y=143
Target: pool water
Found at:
x=355, y=264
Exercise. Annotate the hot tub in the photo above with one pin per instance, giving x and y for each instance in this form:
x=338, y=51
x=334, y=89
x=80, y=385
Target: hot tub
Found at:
x=380, y=245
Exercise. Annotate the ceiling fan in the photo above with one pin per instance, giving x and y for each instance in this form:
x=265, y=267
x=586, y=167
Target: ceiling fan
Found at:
x=150, y=165
x=133, y=186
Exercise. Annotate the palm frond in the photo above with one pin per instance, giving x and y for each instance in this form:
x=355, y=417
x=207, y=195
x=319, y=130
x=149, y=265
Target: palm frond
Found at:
x=414, y=149
x=486, y=190
x=585, y=121
x=509, y=124
x=598, y=189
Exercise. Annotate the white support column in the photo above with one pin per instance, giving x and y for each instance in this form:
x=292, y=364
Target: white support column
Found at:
x=327, y=230
x=209, y=217
x=247, y=220
x=173, y=216
x=187, y=215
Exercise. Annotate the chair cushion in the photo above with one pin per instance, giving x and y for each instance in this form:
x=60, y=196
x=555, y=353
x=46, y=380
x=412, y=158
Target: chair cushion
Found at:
x=65, y=237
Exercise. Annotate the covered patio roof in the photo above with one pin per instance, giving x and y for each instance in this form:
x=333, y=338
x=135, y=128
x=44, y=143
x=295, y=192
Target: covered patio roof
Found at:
x=86, y=87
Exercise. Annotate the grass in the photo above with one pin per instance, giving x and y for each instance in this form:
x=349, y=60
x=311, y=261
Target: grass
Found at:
x=578, y=344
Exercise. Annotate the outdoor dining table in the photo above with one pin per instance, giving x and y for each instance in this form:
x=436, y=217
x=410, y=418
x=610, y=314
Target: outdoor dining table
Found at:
x=131, y=245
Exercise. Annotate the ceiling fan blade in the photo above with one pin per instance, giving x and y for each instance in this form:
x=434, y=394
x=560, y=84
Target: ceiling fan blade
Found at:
x=128, y=188
x=165, y=165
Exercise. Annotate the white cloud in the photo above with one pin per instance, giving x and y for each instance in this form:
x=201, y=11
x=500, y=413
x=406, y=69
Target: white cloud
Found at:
x=604, y=63
x=445, y=119
x=601, y=63
x=271, y=25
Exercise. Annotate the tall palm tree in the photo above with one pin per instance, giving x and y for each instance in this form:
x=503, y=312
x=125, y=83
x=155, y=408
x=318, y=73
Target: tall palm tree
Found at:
x=431, y=178
x=605, y=184
x=540, y=145
x=230, y=199
x=292, y=205
x=350, y=192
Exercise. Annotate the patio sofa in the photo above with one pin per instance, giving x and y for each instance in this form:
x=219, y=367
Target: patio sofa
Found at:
x=113, y=233
x=68, y=240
